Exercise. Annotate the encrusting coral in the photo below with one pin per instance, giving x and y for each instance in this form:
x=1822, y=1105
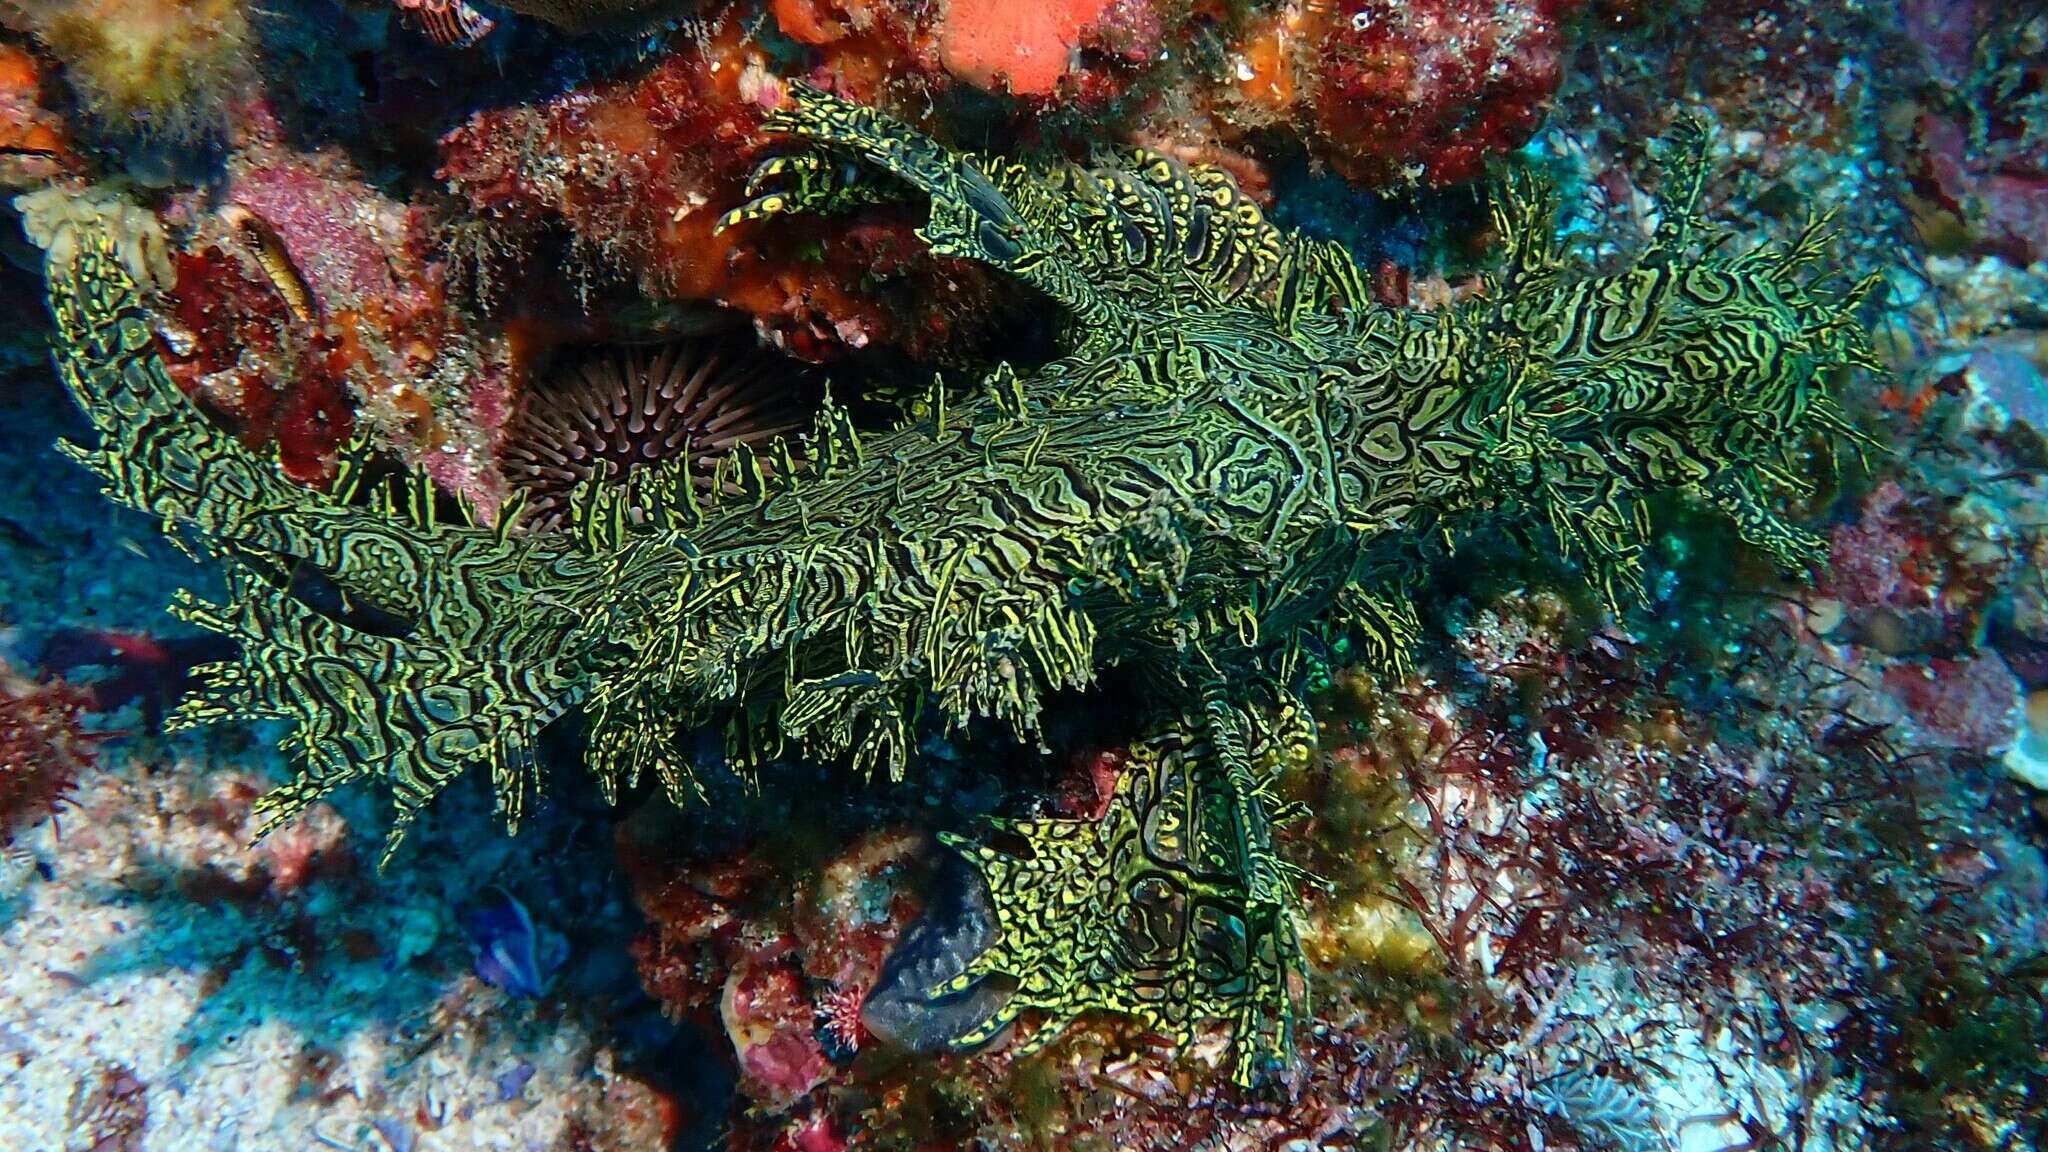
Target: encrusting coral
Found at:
x=1238, y=459
x=1402, y=91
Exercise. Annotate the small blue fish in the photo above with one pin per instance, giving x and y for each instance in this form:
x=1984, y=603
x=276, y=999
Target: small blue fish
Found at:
x=399, y=1137
x=511, y=1083
x=512, y=952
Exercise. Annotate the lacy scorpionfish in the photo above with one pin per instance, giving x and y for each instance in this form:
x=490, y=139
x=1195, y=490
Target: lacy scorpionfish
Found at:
x=1237, y=458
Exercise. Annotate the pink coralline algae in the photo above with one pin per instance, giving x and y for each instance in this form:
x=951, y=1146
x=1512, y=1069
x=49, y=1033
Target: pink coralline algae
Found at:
x=1880, y=559
x=772, y=1024
x=1973, y=703
x=354, y=248
x=381, y=314
x=304, y=302
x=2003, y=203
x=1976, y=157
x=1432, y=89
x=1916, y=572
x=222, y=806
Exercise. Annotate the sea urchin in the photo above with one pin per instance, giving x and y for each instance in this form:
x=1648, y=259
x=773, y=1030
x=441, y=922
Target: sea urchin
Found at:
x=625, y=409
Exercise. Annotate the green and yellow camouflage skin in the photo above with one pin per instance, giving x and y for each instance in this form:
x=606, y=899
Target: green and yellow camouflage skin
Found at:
x=1238, y=457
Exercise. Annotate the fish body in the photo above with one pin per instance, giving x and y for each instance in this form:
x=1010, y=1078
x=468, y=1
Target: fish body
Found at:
x=1237, y=457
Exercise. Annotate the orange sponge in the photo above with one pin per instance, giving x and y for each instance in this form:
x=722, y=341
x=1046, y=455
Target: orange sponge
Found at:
x=1024, y=44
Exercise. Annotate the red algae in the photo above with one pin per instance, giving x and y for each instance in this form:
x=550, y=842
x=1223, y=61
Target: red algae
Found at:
x=232, y=341
x=641, y=160
x=43, y=750
x=1430, y=89
x=383, y=321
x=1972, y=703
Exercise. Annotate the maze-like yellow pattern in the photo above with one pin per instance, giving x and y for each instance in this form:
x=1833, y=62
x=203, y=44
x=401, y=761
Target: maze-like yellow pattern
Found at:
x=1237, y=458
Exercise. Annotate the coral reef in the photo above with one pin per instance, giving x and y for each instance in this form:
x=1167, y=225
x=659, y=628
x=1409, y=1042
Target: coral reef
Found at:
x=1561, y=897
x=166, y=984
x=639, y=171
x=1426, y=91
x=1028, y=51
x=322, y=271
x=307, y=302
x=1976, y=145
x=35, y=144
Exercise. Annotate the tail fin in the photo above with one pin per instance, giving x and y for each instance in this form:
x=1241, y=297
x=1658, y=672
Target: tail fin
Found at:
x=1170, y=909
x=470, y=672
